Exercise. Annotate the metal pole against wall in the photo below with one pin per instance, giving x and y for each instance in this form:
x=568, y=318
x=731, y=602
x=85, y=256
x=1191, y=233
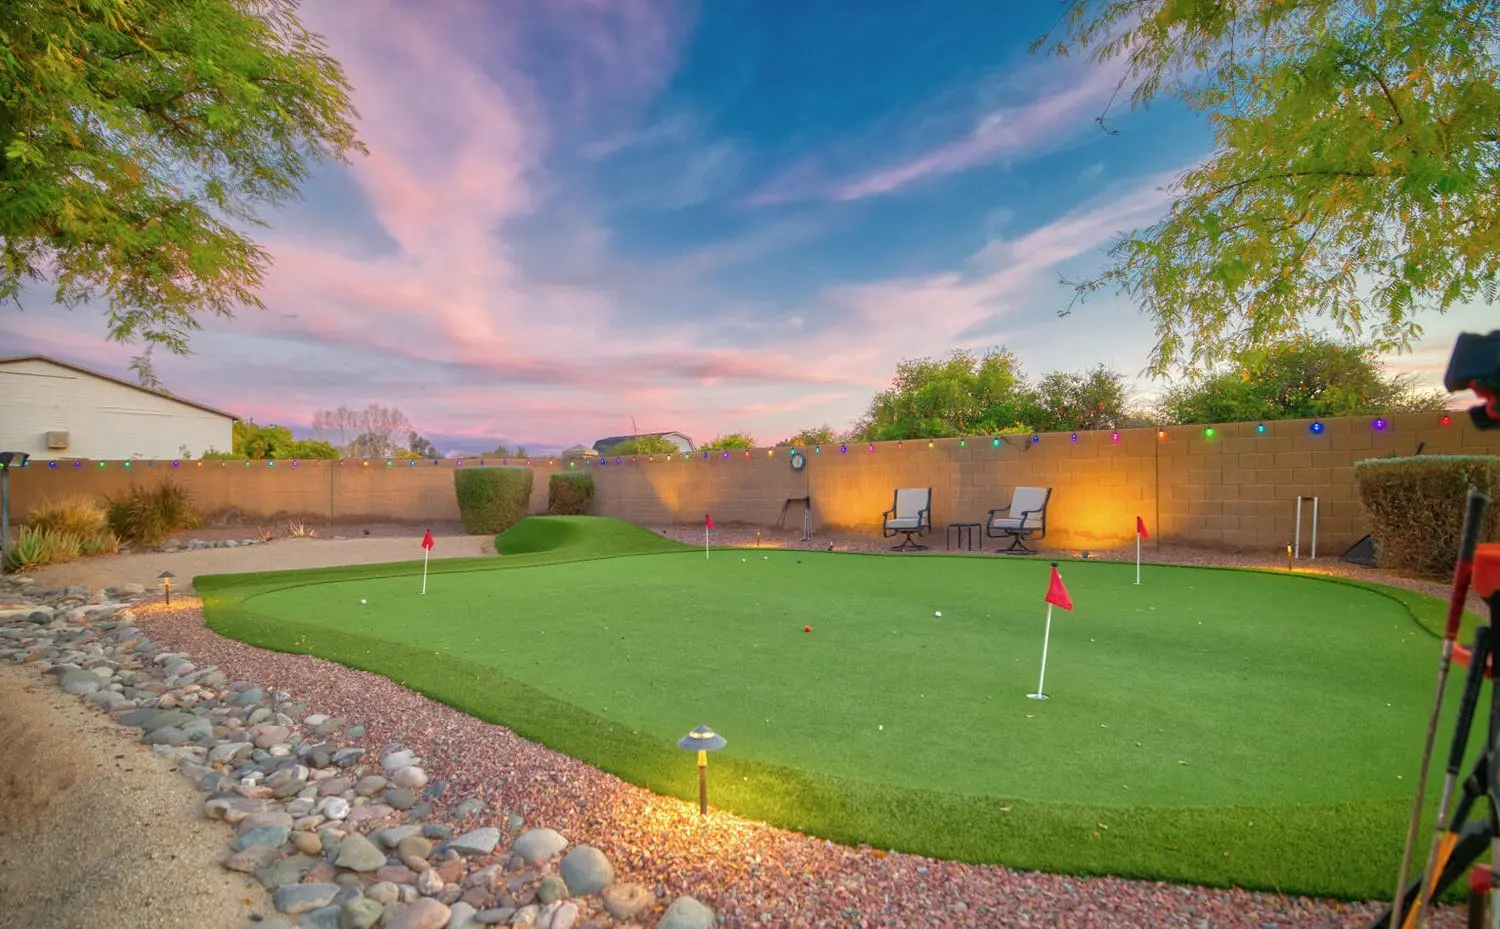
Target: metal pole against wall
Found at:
x=8, y=460
x=1297, y=533
x=4, y=507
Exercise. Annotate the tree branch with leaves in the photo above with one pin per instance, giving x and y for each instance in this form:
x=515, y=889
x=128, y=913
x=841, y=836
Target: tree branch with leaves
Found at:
x=137, y=139
x=1354, y=179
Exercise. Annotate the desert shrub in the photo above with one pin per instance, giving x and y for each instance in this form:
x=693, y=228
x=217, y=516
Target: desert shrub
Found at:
x=570, y=493
x=99, y=543
x=36, y=546
x=150, y=515
x=491, y=500
x=78, y=515
x=1416, y=507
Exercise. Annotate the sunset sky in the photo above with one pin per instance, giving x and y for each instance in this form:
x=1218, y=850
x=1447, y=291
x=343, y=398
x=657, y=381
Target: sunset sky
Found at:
x=717, y=217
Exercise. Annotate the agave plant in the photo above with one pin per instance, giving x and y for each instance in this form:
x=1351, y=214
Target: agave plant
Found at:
x=31, y=548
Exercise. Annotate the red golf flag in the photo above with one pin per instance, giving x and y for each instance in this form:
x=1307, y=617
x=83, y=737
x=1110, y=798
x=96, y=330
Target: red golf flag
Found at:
x=427, y=540
x=1057, y=594
x=1140, y=528
x=708, y=521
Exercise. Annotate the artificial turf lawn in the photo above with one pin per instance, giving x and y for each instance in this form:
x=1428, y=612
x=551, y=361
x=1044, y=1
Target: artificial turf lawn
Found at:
x=1222, y=727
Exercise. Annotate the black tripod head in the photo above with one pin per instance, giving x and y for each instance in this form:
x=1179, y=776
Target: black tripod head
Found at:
x=1475, y=366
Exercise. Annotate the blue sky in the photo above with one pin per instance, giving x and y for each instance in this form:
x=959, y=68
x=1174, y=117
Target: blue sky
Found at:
x=734, y=216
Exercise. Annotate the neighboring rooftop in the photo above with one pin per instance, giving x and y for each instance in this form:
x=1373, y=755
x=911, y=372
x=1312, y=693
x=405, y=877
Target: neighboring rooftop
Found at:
x=18, y=359
x=681, y=440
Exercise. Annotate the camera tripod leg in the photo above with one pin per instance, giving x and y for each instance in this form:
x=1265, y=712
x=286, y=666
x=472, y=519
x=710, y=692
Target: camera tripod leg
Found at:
x=1442, y=842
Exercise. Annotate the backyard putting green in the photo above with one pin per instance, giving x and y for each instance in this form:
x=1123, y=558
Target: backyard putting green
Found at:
x=1221, y=727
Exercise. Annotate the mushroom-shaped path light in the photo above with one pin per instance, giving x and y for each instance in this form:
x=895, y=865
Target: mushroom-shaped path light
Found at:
x=702, y=740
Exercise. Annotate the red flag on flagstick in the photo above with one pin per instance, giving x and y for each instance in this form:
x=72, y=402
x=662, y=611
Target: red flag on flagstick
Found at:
x=708, y=521
x=1057, y=594
x=427, y=540
x=1140, y=528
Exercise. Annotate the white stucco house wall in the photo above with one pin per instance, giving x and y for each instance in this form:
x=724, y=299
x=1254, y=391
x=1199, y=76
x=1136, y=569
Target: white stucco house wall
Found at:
x=54, y=410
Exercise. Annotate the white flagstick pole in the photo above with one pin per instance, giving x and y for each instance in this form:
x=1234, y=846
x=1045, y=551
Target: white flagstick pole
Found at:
x=426, y=553
x=1137, y=558
x=705, y=540
x=1046, y=637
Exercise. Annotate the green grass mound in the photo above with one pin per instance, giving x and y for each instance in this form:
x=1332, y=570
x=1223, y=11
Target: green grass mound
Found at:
x=1230, y=728
x=581, y=537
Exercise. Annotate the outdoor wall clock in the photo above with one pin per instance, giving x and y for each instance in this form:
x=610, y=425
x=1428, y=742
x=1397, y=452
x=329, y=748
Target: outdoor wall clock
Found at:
x=798, y=460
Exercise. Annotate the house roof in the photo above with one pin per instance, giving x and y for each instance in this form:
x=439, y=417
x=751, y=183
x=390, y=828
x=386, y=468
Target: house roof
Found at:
x=16, y=359
x=604, y=445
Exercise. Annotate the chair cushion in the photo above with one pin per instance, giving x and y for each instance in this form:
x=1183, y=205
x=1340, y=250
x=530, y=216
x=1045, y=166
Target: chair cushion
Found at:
x=911, y=501
x=1007, y=523
x=1026, y=499
x=904, y=522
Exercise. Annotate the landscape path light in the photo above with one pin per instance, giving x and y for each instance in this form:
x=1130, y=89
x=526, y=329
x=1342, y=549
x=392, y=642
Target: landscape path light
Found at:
x=702, y=740
x=166, y=583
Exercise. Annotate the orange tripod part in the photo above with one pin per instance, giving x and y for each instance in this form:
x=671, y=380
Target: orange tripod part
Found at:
x=1484, y=581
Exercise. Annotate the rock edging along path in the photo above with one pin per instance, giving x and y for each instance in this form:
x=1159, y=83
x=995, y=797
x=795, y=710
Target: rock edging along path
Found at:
x=479, y=788
x=342, y=835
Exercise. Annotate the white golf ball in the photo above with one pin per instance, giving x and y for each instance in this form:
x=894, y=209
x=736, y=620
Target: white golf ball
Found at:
x=766, y=557
x=362, y=602
x=938, y=613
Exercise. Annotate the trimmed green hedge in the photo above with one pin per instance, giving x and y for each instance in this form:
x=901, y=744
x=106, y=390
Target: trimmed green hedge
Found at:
x=1416, y=507
x=570, y=493
x=491, y=500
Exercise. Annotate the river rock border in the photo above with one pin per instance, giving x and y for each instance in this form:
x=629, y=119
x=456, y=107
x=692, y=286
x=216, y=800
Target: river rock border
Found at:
x=343, y=833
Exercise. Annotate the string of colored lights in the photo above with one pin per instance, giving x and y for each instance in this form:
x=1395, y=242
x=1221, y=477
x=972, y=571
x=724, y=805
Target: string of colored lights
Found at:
x=1316, y=427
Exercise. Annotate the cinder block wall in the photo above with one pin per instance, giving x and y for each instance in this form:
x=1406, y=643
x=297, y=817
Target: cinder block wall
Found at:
x=1233, y=488
x=349, y=491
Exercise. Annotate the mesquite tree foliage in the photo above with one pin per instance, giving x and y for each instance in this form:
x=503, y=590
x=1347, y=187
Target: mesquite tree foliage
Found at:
x=139, y=137
x=1355, y=174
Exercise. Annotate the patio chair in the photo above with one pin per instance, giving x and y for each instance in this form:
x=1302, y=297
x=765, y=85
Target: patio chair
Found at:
x=1025, y=519
x=910, y=514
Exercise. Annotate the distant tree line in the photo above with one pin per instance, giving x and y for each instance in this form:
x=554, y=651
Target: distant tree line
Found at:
x=967, y=393
x=373, y=432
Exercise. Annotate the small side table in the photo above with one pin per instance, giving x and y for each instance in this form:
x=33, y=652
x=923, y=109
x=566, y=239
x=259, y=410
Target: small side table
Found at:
x=962, y=534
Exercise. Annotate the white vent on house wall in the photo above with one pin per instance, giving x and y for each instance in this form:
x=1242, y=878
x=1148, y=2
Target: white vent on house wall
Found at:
x=57, y=440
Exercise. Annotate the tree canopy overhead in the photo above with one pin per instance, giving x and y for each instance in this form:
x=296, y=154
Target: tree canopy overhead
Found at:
x=1355, y=174
x=137, y=138
x=644, y=445
x=969, y=394
x=729, y=442
x=1304, y=379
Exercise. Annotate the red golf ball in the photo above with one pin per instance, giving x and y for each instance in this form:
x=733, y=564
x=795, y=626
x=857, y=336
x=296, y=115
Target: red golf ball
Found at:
x=807, y=629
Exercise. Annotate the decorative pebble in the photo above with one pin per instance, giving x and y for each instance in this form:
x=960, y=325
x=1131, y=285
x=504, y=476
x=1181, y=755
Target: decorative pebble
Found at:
x=586, y=870
x=687, y=913
x=535, y=846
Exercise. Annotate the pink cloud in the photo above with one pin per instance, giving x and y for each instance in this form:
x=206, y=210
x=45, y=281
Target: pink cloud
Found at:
x=914, y=316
